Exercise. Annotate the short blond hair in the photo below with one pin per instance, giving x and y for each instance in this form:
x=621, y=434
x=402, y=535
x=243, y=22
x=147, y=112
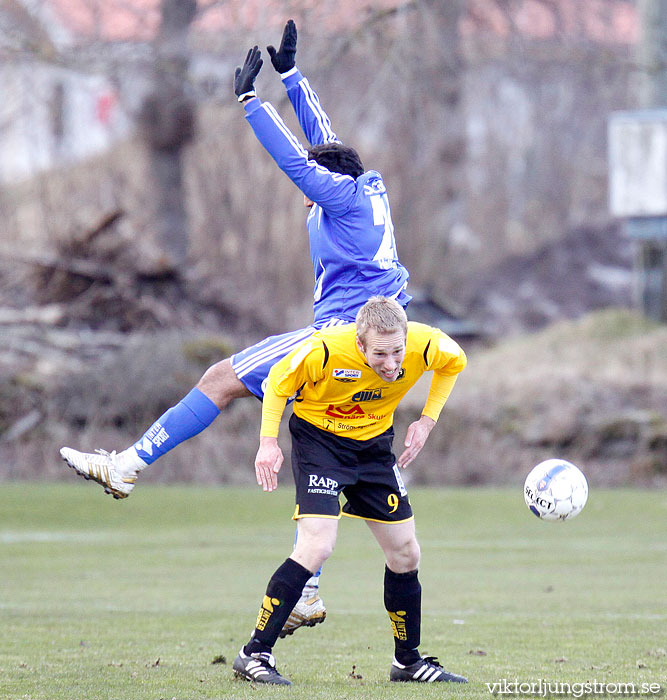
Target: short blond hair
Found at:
x=382, y=315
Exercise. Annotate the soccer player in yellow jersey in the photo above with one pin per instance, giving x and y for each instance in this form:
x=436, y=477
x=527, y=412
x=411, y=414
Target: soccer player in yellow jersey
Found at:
x=348, y=381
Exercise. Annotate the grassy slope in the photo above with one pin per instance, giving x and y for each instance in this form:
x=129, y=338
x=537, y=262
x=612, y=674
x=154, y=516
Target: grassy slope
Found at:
x=129, y=600
x=593, y=391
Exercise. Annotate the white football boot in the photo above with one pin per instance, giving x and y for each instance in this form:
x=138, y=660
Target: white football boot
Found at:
x=308, y=612
x=117, y=473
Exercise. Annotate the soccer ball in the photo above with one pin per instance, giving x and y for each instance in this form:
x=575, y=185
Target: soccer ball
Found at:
x=555, y=490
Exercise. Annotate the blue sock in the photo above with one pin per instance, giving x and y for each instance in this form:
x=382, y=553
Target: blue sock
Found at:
x=186, y=419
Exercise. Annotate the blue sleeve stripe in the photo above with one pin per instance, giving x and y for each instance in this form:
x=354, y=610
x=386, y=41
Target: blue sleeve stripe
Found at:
x=320, y=115
x=270, y=110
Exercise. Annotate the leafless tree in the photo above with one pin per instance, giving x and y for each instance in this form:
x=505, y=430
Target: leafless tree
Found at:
x=167, y=120
x=653, y=53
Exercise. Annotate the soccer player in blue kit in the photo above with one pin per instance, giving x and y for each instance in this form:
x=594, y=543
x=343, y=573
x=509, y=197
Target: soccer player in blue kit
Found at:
x=354, y=257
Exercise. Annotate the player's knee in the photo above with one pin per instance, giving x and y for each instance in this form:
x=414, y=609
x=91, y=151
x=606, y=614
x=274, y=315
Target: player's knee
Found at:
x=318, y=551
x=321, y=552
x=311, y=559
x=221, y=384
x=312, y=549
x=404, y=556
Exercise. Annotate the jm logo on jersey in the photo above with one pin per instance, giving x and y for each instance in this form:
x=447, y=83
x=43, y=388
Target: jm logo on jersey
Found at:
x=371, y=395
x=346, y=375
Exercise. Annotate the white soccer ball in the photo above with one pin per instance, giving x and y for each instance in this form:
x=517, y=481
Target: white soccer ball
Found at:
x=555, y=490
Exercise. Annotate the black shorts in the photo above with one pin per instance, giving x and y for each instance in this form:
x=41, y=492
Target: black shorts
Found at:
x=365, y=471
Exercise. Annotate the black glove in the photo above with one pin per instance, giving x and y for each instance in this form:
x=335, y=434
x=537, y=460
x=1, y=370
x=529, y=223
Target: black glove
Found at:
x=283, y=58
x=244, y=78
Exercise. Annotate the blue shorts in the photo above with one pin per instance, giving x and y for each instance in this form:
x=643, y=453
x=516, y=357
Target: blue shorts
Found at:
x=253, y=364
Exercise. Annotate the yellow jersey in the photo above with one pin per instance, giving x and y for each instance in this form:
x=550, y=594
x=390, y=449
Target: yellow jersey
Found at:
x=337, y=391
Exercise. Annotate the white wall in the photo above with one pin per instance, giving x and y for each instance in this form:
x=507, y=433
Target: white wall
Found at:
x=51, y=116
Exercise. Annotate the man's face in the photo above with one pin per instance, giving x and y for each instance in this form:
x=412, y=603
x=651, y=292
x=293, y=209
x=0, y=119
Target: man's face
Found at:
x=384, y=353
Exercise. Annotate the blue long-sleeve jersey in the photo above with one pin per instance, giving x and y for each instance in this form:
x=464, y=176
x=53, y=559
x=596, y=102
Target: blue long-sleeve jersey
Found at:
x=351, y=233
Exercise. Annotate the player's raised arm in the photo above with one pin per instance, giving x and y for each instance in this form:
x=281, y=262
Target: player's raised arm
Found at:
x=333, y=191
x=312, y=118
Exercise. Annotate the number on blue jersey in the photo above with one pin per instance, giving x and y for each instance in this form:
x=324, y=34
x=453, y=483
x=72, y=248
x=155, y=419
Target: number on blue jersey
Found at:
x=386, y=255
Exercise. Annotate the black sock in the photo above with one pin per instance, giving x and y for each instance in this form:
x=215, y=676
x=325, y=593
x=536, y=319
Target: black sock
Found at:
x=402, y=599
x=282, y=594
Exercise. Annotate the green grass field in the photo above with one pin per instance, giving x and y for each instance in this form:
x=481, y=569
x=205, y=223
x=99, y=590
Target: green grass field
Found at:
x=134, y=599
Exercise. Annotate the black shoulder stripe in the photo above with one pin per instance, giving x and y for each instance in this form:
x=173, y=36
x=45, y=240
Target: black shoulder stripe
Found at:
x=326, y=355
x=426, y=351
